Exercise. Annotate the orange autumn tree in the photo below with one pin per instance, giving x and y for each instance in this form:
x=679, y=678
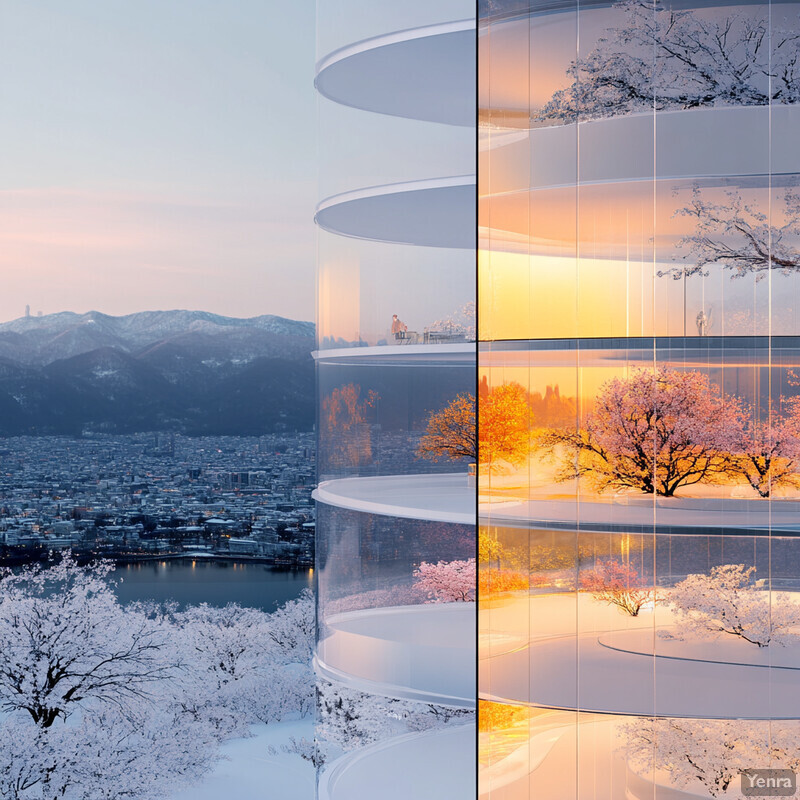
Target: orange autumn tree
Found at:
x=493, y=578
x=504, y=423
x=344, y=425
x=450, y=433
x=504, y=419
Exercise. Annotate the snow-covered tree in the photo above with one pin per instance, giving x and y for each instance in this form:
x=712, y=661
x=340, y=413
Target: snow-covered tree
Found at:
x=660, y=58
x=227, y=656
x=459, y=323
x=620, y=585
x=710, y=753
x=655, y=431
x=447, y=581
x=729, y=601
x=105, y=702
x=67, y=644
x=155, y=751
x=89, y=693
x=739, y=236
x=244, y=665
x=292, y=629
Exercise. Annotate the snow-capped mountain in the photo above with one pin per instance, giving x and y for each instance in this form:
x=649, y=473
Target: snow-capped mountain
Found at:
x=189, y=371
x=40, y=340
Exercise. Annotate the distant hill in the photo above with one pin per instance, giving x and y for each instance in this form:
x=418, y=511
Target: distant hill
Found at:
x=188, y=371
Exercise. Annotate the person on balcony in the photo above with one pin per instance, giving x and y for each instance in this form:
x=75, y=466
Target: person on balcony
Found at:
x=399, y=328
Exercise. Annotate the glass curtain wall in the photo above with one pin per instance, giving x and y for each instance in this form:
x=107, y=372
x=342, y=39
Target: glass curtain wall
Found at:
x=639, y=364
x=396, y=534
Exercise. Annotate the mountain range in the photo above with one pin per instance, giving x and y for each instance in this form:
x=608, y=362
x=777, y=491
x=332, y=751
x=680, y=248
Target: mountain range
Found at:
x=188, y=371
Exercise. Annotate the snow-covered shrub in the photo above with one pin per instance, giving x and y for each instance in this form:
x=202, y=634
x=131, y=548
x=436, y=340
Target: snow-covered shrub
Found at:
x=348, y=719
x=710, y=753
x=729, y=601
x=305, y=748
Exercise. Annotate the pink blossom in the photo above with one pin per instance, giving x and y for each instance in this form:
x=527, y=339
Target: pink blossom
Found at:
x=447, y=581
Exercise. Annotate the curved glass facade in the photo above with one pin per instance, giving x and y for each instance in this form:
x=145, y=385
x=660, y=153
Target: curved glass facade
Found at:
x=396, y=541
x=639, y=271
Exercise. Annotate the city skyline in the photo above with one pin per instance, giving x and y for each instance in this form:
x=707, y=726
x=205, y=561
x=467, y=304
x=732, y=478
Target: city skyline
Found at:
x=140, y=167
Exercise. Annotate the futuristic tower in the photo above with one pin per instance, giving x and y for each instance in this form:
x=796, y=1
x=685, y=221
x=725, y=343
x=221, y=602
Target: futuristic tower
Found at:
x=639, y=256
x=396, y=344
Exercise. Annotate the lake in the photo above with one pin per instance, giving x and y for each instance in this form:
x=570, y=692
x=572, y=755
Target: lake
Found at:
x=216, y=582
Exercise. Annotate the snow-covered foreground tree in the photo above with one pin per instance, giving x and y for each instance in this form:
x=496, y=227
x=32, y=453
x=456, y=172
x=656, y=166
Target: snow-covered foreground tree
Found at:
x=66, y=646
x=730, y=602
x=103, y=702
x=660, y=58
x=244, y=666
x=710, y=753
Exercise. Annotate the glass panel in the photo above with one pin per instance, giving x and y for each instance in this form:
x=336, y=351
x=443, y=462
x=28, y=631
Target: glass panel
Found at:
x=396, y=567
x=654, y=498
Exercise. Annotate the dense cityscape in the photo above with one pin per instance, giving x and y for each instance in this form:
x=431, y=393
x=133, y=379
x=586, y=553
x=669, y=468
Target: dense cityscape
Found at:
x=158, y=495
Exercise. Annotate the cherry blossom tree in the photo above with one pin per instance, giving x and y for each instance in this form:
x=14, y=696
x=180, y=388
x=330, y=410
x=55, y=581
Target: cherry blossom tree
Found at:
x=739, y=236
x=447, y=581
x=655, y=431
x=620, y=585
x=659, y=58
x=766, y=453
x=709, y=753
x=729, y=601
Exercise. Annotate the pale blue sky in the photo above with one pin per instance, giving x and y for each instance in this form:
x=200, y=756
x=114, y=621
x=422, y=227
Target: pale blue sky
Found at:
x=157, y=154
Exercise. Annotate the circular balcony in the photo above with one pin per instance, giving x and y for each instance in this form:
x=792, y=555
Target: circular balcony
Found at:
x=420, y=765
x=422, y=652
x=437, y=498
x=430, y=213
x=425, y=73
x=437, y=352
x=590, y=750
x=636, y=513
x=726, y=142
x=587, y=655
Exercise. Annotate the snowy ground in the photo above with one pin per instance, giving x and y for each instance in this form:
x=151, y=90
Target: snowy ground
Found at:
x=249, y=772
